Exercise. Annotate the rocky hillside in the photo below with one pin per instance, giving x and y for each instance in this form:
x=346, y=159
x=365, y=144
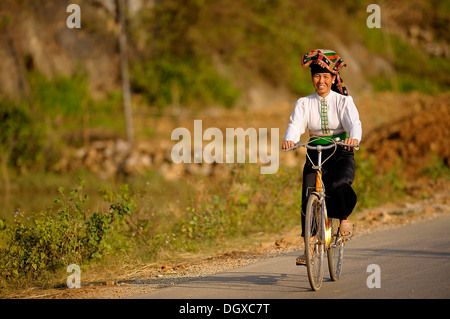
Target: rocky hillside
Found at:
x=253, y=47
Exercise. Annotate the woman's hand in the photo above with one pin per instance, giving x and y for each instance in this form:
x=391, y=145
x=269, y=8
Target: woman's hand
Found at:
x=287, y=144
x=352, y=141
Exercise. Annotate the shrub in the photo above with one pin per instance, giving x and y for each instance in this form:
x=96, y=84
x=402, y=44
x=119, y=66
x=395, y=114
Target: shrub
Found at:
x=373, y=188
x=49, y=240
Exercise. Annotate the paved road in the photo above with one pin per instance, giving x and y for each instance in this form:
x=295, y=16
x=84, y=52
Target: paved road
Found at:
x=413, y=260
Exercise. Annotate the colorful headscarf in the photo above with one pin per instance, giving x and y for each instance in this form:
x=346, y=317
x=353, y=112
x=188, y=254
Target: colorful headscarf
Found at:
x=331, y=61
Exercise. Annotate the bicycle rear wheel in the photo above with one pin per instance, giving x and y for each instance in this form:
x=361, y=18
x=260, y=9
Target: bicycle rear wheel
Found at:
x=314, y=250
x=335, y=251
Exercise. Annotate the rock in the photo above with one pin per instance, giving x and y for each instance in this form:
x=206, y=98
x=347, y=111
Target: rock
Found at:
x=166, y=268
x=291, y=240
x=378, y=217
x=180, y=267
x=288, y=240
x=280, y=244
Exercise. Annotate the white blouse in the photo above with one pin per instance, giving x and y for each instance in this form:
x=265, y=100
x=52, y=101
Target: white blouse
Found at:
x=343, y=117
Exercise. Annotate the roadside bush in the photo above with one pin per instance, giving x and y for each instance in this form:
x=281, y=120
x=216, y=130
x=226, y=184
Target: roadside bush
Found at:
x=372, y=187
x=49, y=240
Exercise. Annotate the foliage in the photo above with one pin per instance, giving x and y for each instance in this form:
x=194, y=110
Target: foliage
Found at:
x=61, y=96
x=413, y=69
x=21, y=138
x=372, y=187
x=51, y=239
x=249, y=204
x=36, y=130
x=208, y=52
x=189, y=47
x=244, y=205
x=36, y=245
x=169, y=81
x=436, y=168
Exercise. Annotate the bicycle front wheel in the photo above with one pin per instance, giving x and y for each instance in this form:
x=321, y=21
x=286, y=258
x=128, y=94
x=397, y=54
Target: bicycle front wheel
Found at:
x=335, y=252
x=314, y=245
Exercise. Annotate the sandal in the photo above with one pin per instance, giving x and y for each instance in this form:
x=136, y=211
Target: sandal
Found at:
x=301, y=260
x=346, y=229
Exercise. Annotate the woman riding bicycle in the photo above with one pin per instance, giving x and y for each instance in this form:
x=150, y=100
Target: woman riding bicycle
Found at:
x=329, y=112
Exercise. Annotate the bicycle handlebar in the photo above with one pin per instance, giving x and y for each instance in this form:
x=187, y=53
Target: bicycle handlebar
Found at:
x=336, y=141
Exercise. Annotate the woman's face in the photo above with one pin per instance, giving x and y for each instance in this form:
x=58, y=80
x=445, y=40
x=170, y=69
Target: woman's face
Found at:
x=322, y=83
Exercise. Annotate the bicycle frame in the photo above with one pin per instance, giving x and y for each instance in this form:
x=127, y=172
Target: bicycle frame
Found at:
x=325, y=236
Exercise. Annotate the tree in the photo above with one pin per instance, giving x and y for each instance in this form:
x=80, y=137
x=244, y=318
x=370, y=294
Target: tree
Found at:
x=124, y=71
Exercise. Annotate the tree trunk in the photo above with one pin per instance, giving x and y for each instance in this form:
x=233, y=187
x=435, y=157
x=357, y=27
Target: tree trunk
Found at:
x=124, y=71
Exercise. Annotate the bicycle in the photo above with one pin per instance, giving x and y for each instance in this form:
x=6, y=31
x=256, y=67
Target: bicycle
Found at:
x=321, y=233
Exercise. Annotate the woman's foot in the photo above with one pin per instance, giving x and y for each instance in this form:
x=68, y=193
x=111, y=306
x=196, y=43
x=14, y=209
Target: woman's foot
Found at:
x=301, y=260
x=346, y=228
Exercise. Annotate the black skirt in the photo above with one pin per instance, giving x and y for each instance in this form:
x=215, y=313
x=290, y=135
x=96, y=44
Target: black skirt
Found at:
x=338, y=174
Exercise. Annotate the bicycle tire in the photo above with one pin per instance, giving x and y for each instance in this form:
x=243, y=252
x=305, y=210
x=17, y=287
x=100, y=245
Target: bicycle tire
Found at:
x=335, y=252
x=313, y=228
